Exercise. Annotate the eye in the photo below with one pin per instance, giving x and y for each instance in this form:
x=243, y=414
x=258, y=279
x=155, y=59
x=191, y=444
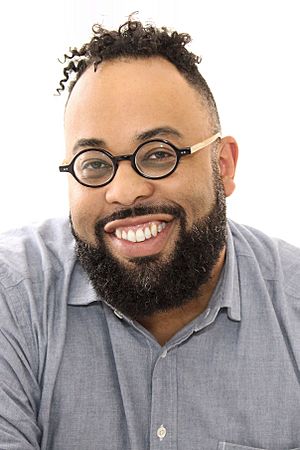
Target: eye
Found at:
x=95, y=164
x=159, y=154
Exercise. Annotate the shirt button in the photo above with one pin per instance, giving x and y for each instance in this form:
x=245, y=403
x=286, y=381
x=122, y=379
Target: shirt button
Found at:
x=161, y=432
x=164, y=353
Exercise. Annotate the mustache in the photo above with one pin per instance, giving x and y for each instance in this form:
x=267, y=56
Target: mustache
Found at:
x=141, y=210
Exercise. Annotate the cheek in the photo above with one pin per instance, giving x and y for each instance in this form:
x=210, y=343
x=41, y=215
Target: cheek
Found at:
x=86, y=208
x=193, y=190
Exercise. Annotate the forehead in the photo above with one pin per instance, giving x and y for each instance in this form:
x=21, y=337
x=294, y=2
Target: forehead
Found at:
x=127, y=96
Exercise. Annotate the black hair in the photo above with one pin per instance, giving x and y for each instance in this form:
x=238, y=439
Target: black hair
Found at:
x=134, y=40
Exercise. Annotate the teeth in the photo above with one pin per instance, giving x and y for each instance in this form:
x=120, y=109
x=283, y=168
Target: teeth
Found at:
x=140, y=234
x=131, y=236
x=147, y=232
x=153, y=229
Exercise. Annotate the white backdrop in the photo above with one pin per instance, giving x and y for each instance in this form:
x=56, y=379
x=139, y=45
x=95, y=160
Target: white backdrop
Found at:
x=250, y=51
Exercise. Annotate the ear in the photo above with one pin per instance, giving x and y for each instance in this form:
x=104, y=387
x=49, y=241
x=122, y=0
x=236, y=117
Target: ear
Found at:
x=227, y=156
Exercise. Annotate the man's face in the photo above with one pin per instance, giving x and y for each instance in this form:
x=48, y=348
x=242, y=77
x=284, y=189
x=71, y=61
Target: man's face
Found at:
x=123, y=104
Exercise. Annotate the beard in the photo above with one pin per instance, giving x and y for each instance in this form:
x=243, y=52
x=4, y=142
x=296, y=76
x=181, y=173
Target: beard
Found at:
x=151, y=284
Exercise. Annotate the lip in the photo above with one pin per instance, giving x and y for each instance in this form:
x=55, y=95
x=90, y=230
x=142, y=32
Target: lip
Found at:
x=132, y=222
x=149, y=247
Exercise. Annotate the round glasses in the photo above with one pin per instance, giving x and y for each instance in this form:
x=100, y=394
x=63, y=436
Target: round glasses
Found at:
x=154, y=159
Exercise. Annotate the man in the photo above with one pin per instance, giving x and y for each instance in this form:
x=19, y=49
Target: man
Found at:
x=149, y=321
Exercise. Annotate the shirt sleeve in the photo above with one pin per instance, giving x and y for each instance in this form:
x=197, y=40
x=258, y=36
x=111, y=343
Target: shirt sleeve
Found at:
x=19, y=387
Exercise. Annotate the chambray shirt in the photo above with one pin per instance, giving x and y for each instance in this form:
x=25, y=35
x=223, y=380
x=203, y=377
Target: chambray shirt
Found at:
x=75, y=374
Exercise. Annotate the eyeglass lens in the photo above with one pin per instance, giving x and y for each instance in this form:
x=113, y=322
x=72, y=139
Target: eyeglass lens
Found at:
x=155, y=159
x=93, y=167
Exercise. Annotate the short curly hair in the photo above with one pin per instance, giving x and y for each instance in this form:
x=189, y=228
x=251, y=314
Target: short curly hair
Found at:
x=134, y=40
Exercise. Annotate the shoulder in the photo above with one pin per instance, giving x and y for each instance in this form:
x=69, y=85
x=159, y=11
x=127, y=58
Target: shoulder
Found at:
x=34, y=251
x=36, y=267
x=276, y=259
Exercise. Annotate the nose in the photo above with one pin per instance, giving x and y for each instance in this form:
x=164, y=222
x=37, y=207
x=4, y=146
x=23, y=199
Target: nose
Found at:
x=128, y=187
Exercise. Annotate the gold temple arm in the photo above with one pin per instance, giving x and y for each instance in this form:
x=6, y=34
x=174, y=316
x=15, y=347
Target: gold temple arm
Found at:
x=205, y=143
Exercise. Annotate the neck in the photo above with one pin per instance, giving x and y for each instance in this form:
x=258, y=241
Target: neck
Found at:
x=164, y=325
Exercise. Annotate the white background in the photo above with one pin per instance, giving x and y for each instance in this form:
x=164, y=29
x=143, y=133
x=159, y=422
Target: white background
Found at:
x=250, y=51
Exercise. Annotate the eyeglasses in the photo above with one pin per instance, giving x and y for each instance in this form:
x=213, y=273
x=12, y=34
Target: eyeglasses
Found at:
x=154, y=159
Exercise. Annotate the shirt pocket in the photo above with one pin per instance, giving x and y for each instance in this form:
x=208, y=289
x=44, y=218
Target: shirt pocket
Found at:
x=228, y=446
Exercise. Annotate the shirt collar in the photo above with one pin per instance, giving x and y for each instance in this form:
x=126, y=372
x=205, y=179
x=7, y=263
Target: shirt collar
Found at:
x=229, y=289
x=226, y=294
x=81, y=291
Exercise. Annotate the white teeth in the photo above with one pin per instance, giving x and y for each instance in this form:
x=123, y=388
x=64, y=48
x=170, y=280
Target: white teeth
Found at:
x=140, y=234
x=153, y=229
x=131, y=236
x=147, y=232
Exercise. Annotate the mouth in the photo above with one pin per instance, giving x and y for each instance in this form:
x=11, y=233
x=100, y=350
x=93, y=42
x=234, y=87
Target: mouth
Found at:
x=140, y=236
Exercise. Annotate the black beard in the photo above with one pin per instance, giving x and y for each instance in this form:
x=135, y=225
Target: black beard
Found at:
x=152, y=284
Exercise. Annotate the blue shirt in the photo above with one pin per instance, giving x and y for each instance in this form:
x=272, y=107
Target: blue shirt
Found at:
x=74, y=374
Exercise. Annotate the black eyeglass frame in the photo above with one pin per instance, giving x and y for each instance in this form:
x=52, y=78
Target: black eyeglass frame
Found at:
x=132, y=158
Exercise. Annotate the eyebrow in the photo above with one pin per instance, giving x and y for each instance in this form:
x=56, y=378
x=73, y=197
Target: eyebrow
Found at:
x=88, y=142
x=145, y=135
x=154, y=132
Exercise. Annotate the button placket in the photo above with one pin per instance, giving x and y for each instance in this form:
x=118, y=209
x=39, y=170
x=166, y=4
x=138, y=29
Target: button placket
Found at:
x=164, y=402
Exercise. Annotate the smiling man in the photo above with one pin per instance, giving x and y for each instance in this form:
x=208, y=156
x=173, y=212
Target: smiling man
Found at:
x=148, y=221
x=147, y=320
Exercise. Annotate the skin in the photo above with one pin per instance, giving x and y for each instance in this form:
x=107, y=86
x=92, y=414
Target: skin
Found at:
x=117, y=104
